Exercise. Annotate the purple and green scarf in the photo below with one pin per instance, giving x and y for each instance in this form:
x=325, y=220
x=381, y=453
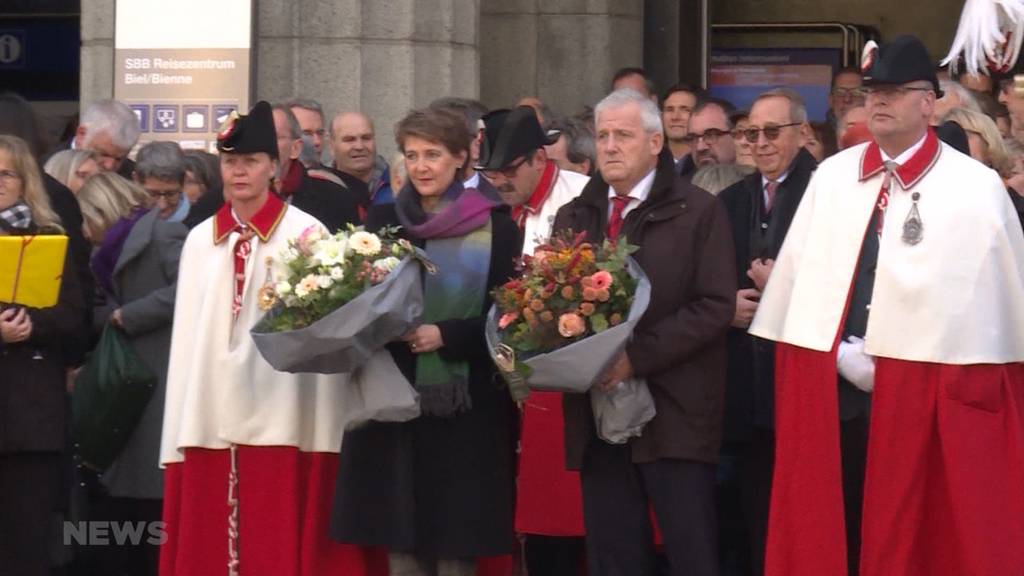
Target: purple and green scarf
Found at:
x=458, y=242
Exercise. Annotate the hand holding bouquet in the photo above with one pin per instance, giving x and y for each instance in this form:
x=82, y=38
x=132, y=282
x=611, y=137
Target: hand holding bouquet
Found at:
x=566, y=319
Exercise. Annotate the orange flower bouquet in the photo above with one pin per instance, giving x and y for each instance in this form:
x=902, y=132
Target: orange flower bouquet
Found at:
x=564, y=320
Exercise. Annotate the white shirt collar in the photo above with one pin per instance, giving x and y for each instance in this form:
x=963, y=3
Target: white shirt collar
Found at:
x=782, y=178
x=472, y=182
x=639, y=192
x=907, y=154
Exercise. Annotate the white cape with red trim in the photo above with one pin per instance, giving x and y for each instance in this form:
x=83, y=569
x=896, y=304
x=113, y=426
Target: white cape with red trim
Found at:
x=220, y=391
x=957, y=297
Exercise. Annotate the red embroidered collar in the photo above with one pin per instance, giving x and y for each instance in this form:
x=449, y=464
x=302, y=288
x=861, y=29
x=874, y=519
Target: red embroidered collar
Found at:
x=911, y=172
x=263, y=223
x=539, y=196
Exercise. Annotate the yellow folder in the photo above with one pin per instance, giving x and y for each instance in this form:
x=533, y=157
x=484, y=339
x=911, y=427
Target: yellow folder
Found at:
x=31, y=269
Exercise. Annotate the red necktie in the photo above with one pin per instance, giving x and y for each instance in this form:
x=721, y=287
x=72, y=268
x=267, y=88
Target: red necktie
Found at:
x=769, y=191
x=619, y=204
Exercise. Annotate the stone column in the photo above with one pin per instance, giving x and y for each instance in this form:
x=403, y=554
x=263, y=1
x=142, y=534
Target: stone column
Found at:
x=96, y=73
x=380, y=57
x=561, y=51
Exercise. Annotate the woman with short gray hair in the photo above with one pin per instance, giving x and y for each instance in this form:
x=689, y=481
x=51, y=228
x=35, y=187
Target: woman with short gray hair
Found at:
x=160, y=170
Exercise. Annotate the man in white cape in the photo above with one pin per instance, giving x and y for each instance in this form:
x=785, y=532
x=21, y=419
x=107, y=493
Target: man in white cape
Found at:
x=930, y=251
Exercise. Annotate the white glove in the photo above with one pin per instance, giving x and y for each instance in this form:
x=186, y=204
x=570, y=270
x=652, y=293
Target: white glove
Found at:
x=857, y=367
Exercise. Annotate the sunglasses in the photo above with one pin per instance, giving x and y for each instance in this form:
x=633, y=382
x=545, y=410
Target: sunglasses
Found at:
x=710, y=136
x=771, y=133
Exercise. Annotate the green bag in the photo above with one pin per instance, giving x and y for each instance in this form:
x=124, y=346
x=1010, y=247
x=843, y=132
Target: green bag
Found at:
x=111, y=393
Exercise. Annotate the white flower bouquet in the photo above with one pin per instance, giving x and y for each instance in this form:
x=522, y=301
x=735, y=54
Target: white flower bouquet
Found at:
x=333, y=300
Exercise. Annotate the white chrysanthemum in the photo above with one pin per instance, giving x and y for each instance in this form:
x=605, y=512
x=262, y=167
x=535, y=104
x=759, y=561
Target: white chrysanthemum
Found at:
x=337, y=273
x=289, y=254
x=282, y=288
x=324, y=281
x=364, y=243
x=386, y=264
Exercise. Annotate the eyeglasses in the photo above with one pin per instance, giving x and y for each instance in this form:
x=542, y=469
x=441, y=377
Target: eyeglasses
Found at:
x=164, y=194
x=844, y=93
x=893, y=91
x=8, y=176
x=710, y=136
x=508, y=171
x=771, y=133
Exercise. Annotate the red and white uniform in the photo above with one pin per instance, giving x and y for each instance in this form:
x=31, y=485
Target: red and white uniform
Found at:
x=285, y=429
x=944, y=489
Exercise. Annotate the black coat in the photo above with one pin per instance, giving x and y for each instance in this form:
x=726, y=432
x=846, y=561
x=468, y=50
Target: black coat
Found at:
x=322, y=199
x=441, y=487
x=33, y=402
x=679, y=344
x=750, y=392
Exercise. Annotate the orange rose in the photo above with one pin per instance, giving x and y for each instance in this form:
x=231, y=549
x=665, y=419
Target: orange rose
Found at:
x=587, y=282
x=537, y=305
x=603, y=295
x=571, y=325
x=568, y=292
x=615, y=319
x=586, y=308
x=589, y=294
x=546, y=316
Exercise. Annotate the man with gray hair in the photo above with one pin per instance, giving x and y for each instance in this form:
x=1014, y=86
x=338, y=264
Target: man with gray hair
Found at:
x=574, y=150
x=678, y=349
x=160, y=171
x=310, y=115
x=761, y=208
x=110, y=129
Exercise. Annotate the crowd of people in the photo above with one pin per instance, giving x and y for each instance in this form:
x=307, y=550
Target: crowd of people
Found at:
x=789, y=412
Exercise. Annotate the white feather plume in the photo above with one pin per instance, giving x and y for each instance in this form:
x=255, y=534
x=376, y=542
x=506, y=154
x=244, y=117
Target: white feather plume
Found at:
x=989, y=34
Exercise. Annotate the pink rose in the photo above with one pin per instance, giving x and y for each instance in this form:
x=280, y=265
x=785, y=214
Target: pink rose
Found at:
x=571, y=325
x=507, y=319
x=601, y=280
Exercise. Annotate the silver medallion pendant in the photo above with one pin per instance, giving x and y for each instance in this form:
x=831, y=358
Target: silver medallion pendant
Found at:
x=913, y=227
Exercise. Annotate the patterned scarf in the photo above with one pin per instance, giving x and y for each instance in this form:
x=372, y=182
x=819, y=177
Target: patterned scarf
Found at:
x=458, y=241
x=16, y=219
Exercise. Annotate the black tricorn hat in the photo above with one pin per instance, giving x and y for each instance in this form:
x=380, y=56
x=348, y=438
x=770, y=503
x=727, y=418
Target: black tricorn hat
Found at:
x=509, y=134
x=249, y=134
x=904, y=59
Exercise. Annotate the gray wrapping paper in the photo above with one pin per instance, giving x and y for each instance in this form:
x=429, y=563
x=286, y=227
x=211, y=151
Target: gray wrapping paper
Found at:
x=378, y=391
x=575, y=368
x=342, y=341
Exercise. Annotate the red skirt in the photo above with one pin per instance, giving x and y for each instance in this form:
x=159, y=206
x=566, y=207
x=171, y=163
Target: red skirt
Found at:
x=548, y=498
x=285, y=499
x=944, y=491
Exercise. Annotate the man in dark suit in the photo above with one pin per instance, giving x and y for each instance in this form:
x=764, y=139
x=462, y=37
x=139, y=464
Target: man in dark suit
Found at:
x=678, y=347
x=761, y=208
x=320, y=193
